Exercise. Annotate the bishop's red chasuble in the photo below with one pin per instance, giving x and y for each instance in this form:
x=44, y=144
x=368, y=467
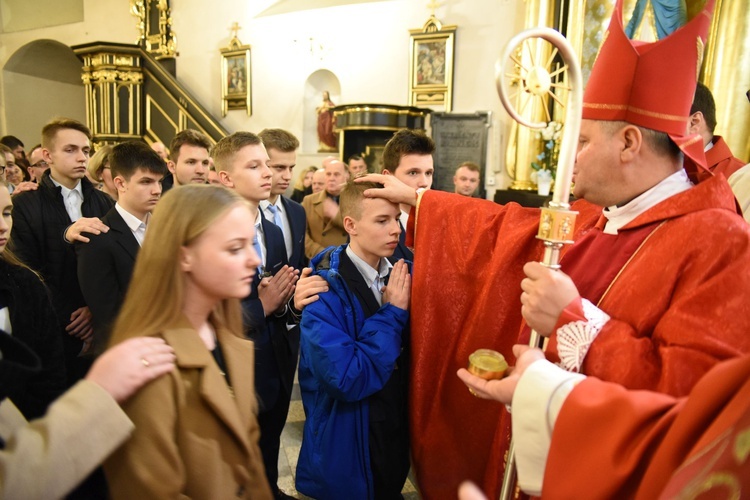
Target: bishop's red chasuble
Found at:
x=612, y=443
x=677, y=302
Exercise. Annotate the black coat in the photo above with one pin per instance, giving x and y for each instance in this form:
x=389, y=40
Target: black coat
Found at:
x=37, y=238
x=34, y=323
x=105, y=266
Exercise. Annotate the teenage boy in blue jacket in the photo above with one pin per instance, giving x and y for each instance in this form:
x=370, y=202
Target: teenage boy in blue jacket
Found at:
x=353, y=372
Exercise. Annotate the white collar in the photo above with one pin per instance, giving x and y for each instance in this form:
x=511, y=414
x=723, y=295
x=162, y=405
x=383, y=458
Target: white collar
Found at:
x=131, y=220
x=369, y=274
x=264, y=204
x=258, y=225
x=404, y=219
x=619, y=217
x=67, y=191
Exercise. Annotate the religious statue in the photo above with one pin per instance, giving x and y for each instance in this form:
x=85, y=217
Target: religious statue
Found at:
x=326, y=137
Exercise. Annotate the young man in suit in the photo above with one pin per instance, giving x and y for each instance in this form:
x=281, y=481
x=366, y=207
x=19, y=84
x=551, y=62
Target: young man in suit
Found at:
x=289, y=215
x=242, y=163
x=105, y=264
x=408, y=157
x=188, y=161
x=47, y=220
x=353, y=372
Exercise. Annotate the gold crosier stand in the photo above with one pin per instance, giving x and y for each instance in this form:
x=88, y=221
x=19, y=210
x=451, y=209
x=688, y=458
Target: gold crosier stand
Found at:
x=557, y=220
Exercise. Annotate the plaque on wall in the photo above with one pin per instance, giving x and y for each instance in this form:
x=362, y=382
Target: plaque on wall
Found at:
x=459, y=138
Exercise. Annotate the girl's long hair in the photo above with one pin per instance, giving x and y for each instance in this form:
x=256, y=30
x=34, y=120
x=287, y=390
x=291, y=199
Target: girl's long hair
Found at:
x=7, y=255
x=299, y=184
x=155, y=296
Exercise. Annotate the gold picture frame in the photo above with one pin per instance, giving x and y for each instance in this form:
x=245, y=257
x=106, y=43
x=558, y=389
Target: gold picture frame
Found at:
x=431, y=65
x=236, y=77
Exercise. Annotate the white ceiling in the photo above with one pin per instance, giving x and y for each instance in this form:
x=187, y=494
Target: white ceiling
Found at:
x=287, y=6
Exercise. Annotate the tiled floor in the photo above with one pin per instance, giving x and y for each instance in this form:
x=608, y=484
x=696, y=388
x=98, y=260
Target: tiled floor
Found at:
x=291, y=440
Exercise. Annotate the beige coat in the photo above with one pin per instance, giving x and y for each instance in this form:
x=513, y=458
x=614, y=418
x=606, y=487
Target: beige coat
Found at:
x=321, y=234
x=195, y=437
x=51, y=455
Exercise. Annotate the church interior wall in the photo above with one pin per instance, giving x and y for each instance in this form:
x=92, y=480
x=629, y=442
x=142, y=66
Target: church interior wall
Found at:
x=364, y=45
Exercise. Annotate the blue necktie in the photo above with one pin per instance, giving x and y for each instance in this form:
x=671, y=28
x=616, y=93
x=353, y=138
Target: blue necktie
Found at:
x=256, y=245
x=276, y=215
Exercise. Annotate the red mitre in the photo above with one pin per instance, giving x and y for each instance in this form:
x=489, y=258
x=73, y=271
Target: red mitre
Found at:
x=651, y=85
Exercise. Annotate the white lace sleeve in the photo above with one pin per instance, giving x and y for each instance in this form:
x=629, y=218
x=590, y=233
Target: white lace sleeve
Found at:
x=575, y=338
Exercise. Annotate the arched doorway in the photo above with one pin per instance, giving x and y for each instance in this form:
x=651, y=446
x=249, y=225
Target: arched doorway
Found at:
x=41, y=80
x=318, y=82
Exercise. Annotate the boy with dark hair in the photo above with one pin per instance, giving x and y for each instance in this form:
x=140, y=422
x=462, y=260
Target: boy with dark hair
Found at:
x=48, y=219
x=408, y=157
x=242, y=163
x=353, y=372
x=188, y=159
x=105, y=264
x=357, y=165
x=15, y=145
x=702, y=121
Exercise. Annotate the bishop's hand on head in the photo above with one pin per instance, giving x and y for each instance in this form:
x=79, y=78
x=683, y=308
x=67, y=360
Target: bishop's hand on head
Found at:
x=393, y=189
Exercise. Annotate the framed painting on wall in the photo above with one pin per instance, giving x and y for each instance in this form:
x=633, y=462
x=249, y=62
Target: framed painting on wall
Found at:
x=236, y=78
x=431, y=66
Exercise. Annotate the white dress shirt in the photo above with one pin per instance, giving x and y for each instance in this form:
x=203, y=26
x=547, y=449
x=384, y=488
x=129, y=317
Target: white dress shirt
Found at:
x=5, y=320
x=375, y=278
x=136, y=226
x=73, y=199
x=404, y=219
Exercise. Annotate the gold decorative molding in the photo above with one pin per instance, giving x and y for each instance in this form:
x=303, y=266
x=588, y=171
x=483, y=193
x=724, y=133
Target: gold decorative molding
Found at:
x=155, y=27
x=112, y=76
x=113, y=87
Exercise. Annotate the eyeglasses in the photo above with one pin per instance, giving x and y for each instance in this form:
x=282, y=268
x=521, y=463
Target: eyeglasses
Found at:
x=40, y=164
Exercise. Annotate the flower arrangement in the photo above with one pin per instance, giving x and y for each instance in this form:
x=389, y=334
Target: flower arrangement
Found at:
x=550, y=138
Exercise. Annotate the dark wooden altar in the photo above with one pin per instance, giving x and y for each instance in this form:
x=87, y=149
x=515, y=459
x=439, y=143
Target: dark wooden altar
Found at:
x=365, y=128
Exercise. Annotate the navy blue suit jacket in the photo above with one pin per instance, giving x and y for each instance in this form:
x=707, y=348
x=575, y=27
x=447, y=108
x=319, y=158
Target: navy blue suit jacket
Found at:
x=275, y=351
x=298, y=223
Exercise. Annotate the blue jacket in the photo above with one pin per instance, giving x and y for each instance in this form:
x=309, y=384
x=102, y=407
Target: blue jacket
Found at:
x=343, y=360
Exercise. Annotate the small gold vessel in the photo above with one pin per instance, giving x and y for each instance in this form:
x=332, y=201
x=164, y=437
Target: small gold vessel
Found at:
x=487, y=364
